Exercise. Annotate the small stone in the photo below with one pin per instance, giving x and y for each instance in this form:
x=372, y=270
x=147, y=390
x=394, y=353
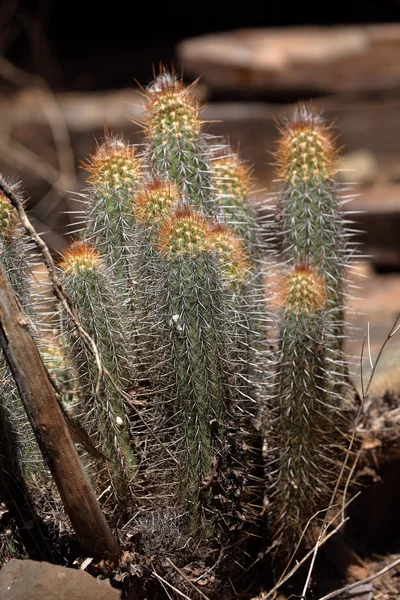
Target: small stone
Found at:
x=32, y=580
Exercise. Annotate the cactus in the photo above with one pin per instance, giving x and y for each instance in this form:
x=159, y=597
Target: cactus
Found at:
x=103, y=312
x=305, y=416
x=115, y=173
x=232, y=182
x=231, y=253
x=303, y=439
x=176, y=145
x=231, y=178
x=15, y=426
x=235, y=269
x=156, y=198
x=169, y=284
x=198, y=349
x=312, y=226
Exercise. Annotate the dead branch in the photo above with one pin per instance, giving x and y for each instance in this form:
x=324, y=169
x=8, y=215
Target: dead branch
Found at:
x=50, y=428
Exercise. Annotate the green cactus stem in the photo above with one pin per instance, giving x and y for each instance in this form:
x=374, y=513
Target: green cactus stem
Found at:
x=115, y=173
x=312, y=227
x=311, y=221
x=231, y=178
x=176, y=145
x=14, y=258
x=104, y=315
x=156, y=198
x=303, y=443
x=198, y=350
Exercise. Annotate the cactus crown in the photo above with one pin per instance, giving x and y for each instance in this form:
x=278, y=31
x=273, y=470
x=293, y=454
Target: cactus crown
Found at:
x=8, y=218
x=231, y=253
x=80, y=257
x=306, y=150
x=114, y=165
x=184, y=233
x=231, y=177
x=172, y=109
x=155, y=200
x=303, y=291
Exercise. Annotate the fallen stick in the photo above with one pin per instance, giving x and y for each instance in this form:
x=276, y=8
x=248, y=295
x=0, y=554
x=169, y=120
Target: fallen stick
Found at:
x=50, y=428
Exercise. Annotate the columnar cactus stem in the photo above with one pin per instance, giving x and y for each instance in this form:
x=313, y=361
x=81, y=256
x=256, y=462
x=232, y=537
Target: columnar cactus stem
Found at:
x=312, y=226
x=104, y=315
x=311, y=219
x=13, y=257
x=235, y=270
x=231, y=178
x=303, y=442
x=199, y=350
x=175, y=143
x=155, y=200
x=115, y=172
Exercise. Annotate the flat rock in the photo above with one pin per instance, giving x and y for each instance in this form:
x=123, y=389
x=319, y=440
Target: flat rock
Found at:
x=31, y=580
x=303, y=59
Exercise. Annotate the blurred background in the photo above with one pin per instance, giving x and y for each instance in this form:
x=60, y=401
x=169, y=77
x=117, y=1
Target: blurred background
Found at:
x=66, y=69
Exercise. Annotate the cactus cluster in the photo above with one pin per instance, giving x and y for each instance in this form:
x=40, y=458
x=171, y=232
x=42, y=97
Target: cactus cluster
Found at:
x=209, y=397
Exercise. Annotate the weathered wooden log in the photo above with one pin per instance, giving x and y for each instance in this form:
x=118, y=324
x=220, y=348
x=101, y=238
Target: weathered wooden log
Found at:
x=50, y=428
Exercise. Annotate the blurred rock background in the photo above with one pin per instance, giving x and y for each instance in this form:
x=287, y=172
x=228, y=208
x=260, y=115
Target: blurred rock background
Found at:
x=67, y=69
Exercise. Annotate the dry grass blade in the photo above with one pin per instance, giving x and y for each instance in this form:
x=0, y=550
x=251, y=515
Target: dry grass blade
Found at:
x=164, y=581
x=187, y=580
x=297, y=566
